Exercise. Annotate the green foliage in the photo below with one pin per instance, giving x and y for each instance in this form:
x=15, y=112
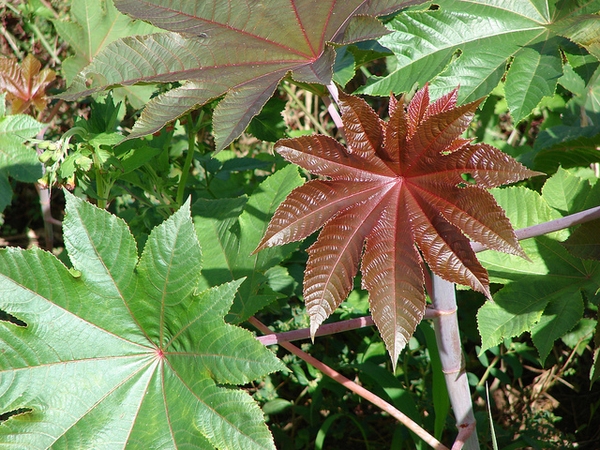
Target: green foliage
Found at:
x=470, y=44
x=16, y=159
x=133, y=340
x=546, y=296
x=231, y=229
x=120, y=350
x=567, y=147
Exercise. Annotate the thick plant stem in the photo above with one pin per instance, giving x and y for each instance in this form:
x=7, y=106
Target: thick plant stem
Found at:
x=357, y=389
x=333, y=91
x=49, y=221
x=551, y=226
x=447, y=335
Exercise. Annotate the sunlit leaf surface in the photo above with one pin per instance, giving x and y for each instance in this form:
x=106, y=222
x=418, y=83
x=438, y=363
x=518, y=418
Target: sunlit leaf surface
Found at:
x=477, y=43
x=121, y=351
x=410, y=180
x=235, y=47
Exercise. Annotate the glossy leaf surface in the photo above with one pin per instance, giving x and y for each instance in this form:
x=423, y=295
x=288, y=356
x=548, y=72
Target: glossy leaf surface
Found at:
x=120, y=350
x=235, y=47
x=475, y=43
x=399, y=183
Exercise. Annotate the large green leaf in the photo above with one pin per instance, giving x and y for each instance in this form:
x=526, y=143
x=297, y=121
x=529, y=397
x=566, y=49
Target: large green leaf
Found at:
x=230, y=229
x=121, y=352
x=239, y=48
x=94, y=25
x=16, y=160
x=470, y=42
x=545, y=295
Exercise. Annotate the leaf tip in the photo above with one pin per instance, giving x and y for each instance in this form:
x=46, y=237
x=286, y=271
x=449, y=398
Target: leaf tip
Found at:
x=314, y=327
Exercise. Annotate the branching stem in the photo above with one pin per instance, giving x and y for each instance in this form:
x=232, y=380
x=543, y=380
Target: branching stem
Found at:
x=551, y=226
x=357, y=389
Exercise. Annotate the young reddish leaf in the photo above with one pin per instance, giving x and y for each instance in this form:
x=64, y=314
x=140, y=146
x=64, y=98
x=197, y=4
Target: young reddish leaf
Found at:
x=24, y=84
x=405, y=191
x=392, y=272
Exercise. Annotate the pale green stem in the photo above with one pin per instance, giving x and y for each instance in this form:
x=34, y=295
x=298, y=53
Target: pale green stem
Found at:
x=12, y=42
x=488, y=369
x=185, y=170
x=103, y=186
x=44, y=42
x=443, y=298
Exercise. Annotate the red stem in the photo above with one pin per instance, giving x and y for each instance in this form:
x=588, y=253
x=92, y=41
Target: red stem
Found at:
x=357, y=389
x=330, y=328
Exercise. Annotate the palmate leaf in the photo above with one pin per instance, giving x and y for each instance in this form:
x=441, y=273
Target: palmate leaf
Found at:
x=397, y=184
x=25, y=83
x=235, y=47
x=471, y=43
x=121, y=352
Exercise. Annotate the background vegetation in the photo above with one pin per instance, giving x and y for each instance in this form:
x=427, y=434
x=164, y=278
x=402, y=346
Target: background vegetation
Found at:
x=533, y=349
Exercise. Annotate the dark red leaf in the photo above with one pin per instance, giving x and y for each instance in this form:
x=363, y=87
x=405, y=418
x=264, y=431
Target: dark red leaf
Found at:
x=405, y=189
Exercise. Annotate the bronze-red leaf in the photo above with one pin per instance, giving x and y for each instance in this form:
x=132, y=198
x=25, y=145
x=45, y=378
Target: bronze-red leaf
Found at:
x=25, y=84
x=405, y=189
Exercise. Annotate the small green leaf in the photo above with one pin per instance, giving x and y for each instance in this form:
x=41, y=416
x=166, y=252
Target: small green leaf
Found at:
x=566, y=146
x=560, y=316
x=16, y=160
x=269, y=125
x=572, y=81
x=581, y=335
x=125, y=353
x=344, y=67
